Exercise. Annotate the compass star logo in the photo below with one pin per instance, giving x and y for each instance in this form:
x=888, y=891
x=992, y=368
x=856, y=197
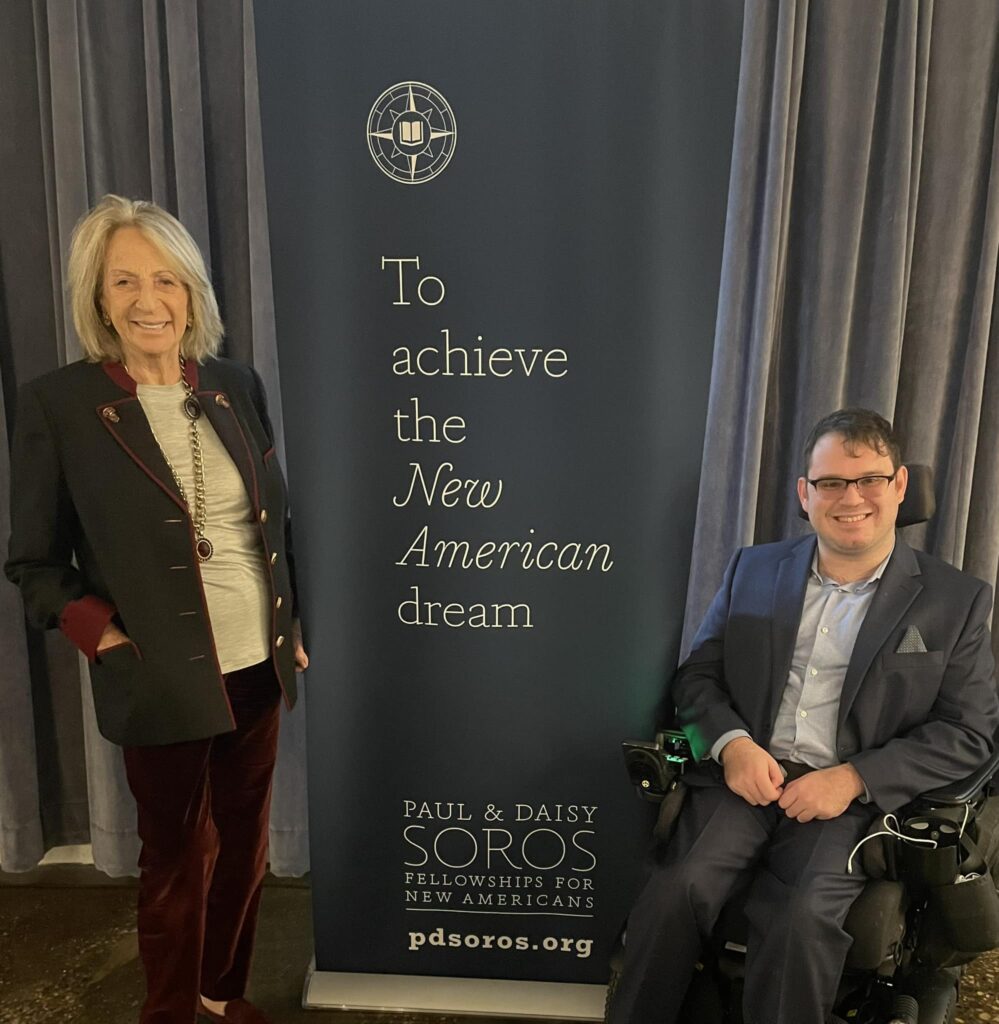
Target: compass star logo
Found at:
x=411, y=132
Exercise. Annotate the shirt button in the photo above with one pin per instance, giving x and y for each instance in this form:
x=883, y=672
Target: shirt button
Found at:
x=274, y=558
x=825, y=629
x=815, y=671
x=263, y=515
x=803, y=714
x=279, y=641
x=278, y=602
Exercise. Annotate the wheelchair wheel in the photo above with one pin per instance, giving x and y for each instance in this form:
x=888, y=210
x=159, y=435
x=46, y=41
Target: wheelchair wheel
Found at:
x=951, y=1009
x=936, y=993
x=949, y=1012
x=905, y=1010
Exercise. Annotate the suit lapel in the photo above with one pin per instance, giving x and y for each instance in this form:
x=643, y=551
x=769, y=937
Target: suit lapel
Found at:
x=786, y=604
x=219, y=407
x=897, y=590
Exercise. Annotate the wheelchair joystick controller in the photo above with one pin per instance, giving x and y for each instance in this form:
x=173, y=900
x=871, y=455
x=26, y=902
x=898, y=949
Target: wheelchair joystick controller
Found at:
x=653, y=768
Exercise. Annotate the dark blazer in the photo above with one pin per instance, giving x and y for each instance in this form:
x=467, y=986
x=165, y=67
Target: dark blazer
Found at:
x=99, y=531
x=907, y=722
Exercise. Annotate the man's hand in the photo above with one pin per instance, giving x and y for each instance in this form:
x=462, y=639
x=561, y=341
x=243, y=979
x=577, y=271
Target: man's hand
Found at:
x=751, y=772
x=822, y=794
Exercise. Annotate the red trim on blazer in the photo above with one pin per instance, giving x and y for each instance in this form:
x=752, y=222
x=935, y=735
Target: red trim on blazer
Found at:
x=175, y=498
x=120, y=376
x=118, y=373
x=83, y=621
x=267, y=562
x=196, y=563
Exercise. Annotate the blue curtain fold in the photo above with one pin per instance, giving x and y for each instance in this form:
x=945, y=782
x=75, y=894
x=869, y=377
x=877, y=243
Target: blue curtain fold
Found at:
x=150, y=100
x=859, y=267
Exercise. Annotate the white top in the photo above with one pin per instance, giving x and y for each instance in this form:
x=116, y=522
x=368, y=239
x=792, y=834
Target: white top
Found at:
x=235, y=577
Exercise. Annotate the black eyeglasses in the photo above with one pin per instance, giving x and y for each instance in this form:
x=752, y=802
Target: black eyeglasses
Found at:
x=869, y=486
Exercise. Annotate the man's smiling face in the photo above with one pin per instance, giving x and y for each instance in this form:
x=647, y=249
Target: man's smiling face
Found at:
x=850, y=524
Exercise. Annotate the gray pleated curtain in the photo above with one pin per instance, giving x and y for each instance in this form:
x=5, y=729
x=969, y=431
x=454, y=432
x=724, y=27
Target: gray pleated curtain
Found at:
x=859, y=266
x=156, y=100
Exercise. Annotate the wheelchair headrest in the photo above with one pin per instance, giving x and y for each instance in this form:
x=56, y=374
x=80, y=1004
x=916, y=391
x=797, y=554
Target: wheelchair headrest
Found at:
x=920, y=501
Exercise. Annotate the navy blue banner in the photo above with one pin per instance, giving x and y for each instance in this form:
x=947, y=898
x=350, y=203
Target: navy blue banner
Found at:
x=496, y=235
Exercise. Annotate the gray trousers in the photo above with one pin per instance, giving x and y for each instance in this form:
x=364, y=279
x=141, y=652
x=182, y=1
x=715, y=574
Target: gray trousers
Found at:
x=797, y=903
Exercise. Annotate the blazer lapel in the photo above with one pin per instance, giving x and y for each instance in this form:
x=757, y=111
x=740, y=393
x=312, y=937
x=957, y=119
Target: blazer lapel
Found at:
x=125, y=421
x=219, y=407
x=785, y=615
x=897, y=590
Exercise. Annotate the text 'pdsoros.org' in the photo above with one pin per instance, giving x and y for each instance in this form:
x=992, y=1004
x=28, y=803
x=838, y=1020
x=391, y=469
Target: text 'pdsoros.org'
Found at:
x=456, y=940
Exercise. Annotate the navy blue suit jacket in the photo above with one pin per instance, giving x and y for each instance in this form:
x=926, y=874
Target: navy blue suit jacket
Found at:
x=908, y=722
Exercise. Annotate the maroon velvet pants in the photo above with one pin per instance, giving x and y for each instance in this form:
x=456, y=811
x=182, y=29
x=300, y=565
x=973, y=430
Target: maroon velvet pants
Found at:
x=202, y=815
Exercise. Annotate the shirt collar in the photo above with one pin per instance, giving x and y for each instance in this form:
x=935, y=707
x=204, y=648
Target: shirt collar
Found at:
x=858, y=586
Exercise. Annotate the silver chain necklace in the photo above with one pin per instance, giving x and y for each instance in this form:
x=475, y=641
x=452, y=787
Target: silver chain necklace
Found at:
x=192, y=410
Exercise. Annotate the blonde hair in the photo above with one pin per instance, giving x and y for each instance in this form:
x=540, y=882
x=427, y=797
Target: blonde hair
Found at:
x=87, y=254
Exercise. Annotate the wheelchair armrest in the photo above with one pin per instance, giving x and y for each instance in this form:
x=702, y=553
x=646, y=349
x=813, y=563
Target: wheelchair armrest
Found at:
x=967, y=789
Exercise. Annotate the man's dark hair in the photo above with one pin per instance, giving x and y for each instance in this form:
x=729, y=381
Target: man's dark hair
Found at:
x=859, y=427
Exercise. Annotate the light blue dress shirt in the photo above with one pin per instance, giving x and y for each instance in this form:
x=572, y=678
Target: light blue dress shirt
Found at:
x=831, y=617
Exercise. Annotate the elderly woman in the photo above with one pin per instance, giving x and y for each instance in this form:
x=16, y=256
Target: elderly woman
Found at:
x=150, y=525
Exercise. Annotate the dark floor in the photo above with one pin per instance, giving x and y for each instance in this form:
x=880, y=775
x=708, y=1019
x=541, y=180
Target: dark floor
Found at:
x=68, y=956
x=68, y=953
x=980, y=991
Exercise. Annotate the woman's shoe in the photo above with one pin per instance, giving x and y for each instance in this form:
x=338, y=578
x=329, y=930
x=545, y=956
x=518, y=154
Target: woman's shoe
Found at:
x=237, y=1011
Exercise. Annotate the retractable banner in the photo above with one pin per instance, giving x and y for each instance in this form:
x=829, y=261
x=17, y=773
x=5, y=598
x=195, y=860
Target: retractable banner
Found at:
x=496, y=234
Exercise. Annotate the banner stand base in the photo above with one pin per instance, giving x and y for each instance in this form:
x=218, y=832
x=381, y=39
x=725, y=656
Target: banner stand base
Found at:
x=329, y=990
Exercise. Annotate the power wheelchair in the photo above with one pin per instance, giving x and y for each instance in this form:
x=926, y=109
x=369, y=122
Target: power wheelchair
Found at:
x=930, y=905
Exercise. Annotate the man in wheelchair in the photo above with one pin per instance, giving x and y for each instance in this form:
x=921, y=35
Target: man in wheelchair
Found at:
x=834, y=679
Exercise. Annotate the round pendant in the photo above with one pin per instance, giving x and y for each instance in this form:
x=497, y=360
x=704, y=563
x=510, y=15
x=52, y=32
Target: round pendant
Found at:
x=204, y=548
x=192, y=407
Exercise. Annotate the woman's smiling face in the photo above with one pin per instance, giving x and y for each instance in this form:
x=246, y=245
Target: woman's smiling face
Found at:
x=144, y=296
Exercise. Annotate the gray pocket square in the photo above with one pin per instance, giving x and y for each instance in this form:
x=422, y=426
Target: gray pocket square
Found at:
x=911, y=643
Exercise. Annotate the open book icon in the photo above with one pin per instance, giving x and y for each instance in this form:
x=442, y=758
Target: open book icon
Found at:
x=411, y=132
